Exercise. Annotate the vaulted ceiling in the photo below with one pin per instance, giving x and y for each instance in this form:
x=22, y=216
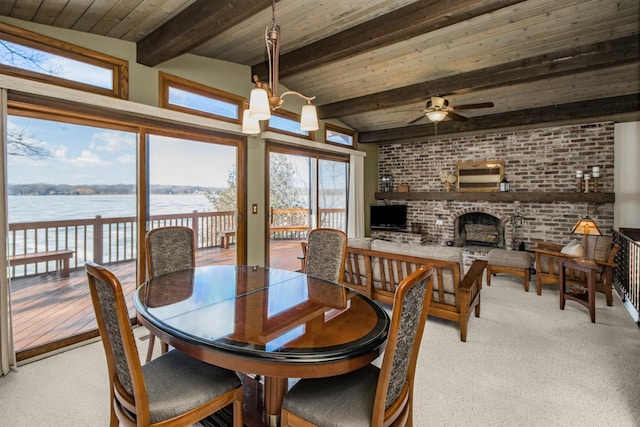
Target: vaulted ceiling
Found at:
x=373, y=64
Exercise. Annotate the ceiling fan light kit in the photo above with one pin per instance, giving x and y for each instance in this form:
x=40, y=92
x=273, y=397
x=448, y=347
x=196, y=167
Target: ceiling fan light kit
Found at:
x=437, y=109
x=264, y=97
x=436, y=115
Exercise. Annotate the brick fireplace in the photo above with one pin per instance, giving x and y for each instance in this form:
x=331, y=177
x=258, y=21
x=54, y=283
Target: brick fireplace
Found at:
x=538, y=160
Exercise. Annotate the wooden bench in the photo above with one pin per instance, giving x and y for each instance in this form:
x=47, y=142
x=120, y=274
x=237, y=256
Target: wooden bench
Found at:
x=62, y=258
x=225, y=236
x=378, y=273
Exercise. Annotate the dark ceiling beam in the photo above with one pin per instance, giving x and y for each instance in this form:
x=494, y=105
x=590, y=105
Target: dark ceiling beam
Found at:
x=581, y=111
x=201, y=21
x=563, y=62
x=402, y=24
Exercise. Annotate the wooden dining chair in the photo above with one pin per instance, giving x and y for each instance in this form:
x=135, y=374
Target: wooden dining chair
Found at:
x=326, y=253
x=370, y=396
x=171, y=390
x=168, y=249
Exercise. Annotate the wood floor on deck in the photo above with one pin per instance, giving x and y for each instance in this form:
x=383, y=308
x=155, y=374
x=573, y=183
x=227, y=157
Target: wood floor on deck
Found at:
x=47, y=309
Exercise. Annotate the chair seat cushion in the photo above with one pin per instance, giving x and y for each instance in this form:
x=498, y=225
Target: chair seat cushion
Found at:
x=344, y=400
x=177, y=383
x=513, y=259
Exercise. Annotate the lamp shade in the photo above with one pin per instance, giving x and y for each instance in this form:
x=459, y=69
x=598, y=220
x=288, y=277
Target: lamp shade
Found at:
x=259, y=104
x=309, y=118
x=249, y=126
x=436, y=116
x=586, y=226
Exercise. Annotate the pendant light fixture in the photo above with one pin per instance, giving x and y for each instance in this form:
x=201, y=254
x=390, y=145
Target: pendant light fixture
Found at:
x=264, y=97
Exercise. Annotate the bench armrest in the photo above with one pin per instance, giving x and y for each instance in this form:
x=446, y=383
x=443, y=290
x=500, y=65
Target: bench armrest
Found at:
x=474, y=275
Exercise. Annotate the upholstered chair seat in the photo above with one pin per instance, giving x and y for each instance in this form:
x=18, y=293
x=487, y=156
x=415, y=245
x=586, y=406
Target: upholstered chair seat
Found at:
x=343, y=400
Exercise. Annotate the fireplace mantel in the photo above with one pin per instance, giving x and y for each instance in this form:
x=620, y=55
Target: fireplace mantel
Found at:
x=495, y=196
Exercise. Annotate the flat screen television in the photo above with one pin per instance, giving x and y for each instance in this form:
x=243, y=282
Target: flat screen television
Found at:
x=388, y=217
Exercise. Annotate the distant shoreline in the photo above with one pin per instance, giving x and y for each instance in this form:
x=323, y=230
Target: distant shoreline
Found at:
x=41, y=189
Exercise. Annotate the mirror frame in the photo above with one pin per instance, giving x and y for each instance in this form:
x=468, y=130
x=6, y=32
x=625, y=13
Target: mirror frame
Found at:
x=479, y=176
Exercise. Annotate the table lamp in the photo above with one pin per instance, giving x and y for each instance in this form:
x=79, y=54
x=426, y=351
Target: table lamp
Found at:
x=587, y=227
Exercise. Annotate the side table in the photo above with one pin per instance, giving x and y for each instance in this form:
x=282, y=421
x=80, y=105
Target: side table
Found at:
x=587, y=299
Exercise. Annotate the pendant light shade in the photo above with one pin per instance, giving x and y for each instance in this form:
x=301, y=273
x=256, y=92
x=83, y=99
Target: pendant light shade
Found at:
x=259, y=104
x=249, y=126
x=309, y=118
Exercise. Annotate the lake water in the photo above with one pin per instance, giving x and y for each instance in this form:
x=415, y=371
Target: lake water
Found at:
x=57, y=207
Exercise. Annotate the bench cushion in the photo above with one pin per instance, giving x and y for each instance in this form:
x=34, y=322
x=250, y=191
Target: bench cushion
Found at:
x=435, y=252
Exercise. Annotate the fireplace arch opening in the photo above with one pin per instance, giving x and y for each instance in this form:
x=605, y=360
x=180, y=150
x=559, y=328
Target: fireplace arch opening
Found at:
x=479, y=229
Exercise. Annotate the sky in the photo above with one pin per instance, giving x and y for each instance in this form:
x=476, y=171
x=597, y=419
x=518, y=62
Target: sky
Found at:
x=89, y=155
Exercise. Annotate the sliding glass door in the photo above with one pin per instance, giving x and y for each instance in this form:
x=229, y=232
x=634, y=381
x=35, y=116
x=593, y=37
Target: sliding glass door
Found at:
x=333, y=181
x=306, y=190
x=72, y=198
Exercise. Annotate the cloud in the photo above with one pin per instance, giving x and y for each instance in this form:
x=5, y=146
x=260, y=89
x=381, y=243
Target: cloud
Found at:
x=86, y=159
x=112, y=142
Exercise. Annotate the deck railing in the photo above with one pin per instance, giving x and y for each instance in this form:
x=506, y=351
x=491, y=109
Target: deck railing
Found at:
x=104, y=240
x=626, y=276
x=109, y=240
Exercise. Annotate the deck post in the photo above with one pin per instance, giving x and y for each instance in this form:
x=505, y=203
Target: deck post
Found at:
x=98, y=239
x=196, y=229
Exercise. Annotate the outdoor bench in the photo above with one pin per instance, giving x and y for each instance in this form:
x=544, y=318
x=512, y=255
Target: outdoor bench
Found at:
x=62, y=258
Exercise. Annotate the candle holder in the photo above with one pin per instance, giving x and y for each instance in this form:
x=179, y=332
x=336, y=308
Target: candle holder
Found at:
x=579, y=181
x=595, y=175
x=586, y=182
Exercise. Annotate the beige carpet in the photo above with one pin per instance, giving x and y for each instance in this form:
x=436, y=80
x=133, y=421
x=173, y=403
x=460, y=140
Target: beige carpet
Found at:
x=526, y=363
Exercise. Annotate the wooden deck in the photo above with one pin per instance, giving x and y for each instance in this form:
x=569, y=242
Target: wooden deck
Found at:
x=49, y=312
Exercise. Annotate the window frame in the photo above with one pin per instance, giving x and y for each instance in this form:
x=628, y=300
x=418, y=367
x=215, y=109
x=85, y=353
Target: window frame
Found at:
x=167, y=81
x=119, y=67
x=331, y=127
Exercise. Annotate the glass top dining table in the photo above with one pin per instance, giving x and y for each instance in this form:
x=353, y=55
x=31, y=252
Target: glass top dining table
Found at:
x=276, y=323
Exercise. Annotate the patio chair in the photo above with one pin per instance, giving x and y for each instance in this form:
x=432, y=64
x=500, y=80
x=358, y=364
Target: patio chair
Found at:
x=168, y=249
x=325, y=255
x=173, y=389
x=370, y=396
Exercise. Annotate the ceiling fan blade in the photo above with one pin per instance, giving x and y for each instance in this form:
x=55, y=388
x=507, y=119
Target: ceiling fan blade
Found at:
x=456, y=116
x=473, y=106
x=416, y=120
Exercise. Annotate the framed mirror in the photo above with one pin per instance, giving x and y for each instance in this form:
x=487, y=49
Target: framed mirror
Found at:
x=479, y=176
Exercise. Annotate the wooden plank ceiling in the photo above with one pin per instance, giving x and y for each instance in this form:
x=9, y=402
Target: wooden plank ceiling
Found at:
x=373, y=64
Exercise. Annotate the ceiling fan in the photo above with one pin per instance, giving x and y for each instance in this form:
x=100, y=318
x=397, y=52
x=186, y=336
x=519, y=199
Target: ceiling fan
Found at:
x=437, y=109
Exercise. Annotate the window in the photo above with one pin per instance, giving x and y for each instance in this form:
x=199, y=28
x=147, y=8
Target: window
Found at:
x=191, y=97
x=339, y=136
x=37, y=57
x=287, y=123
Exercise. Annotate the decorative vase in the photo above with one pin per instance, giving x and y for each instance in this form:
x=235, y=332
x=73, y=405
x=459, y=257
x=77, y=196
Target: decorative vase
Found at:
x=447, y=187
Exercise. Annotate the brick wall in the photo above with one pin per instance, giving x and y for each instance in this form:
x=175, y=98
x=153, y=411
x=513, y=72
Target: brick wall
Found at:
x=535, y=160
